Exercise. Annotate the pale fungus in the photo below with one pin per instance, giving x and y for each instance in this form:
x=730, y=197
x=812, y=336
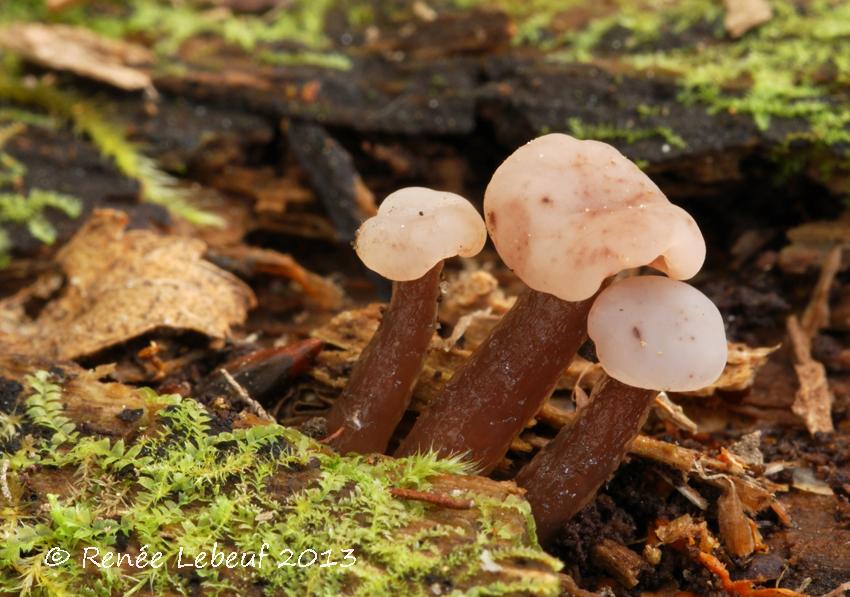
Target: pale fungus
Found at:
x=414, y=231
x=564, y=215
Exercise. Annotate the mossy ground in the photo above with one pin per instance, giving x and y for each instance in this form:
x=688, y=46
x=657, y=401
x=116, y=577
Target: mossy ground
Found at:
x=182, y=485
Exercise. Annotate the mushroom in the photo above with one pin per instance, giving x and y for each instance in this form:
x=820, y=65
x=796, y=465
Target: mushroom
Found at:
x=651, y=333
x=564, y=215
x=414, y=231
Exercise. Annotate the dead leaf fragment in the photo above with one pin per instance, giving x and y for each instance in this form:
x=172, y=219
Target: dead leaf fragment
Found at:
x=249, y=261
x=742, y=365
x=673, y=413
x=743, y=15
x=684, y=529
x=813, y=399
x=812, y=241
x=816, y=315
x=121, y=284
x=82, y=52
x=804, y=479
x=738, y=535
x=620, y=561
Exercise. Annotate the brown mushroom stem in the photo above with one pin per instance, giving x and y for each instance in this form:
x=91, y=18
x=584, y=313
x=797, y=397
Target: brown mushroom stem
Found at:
x=565, y=475
x=492, y=396
x=382, y=380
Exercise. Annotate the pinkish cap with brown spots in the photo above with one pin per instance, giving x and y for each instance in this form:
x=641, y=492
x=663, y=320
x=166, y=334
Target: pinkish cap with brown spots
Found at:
x=656, y=333
x=416, y=228
x=565, y=214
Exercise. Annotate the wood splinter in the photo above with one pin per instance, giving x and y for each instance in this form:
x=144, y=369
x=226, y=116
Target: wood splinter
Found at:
x=438, y=499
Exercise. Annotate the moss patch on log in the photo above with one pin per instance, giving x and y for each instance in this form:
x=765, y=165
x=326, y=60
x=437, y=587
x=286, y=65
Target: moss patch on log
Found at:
x=793, y=67
x=182, y=485
x=87, y=118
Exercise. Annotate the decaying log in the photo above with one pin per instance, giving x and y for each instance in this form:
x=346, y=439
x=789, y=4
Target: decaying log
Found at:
x=489, y=517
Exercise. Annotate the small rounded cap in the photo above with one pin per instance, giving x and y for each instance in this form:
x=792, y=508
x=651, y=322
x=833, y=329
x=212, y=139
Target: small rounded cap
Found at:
x=656, y=333
x=565, y=214
x=416, y=228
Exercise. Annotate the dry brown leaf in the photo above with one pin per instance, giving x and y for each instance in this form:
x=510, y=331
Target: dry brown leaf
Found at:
x=619, y=561
x=684, y=528
x=742, y=365
x=671, y=412
x=816, y=315
x=748, y=449
x=803, y=479
x=121, y=284
x=272, y=193
x=324, y=293
x=469, y=323
x=813, y=399
x=840, y=591
x=472, y=291
x=59, y=5
x=811, y=242
x=743, y=15
x=735, y=529
x=82, y=52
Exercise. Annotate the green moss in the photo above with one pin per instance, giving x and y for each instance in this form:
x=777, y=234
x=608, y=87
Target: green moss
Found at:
x=181, y=485
x=29, y=209
x=168, y=24
x=792, y=67
x=628, y=134
x=26, y=209
x=111, y=140
x=324, y=60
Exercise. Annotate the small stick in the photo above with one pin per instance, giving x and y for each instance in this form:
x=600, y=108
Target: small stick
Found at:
x=4, y=484
x=332, y=436
x=254, y=406
x=438, y=499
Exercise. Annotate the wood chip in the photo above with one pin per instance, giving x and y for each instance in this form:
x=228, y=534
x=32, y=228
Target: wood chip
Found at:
x=748, y=449
x=813, y=399
x=250, y=261
x=735, y=529
x=804, y=479
x=82, y=52
x=742, y=364
x=839, y=591
x=619, y=561
x=812, y=241
x=744, y=15
x=685, y=529
x=816, y=315
x=671, y=412
x=437, y=499
x=120, y=284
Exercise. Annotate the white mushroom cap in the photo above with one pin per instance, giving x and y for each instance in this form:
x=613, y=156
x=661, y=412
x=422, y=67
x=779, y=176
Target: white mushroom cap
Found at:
x=416, y=228
x=565, y=214
x=656, y=333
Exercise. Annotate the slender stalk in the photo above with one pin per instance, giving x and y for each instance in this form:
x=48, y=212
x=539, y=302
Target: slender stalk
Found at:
x=382, y=380
x=492, y=396
x=565, y=475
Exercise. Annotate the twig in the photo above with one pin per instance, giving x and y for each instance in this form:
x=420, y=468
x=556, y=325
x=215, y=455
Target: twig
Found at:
x=813, y=399
x=328, y=439
x=438, y=499
x=254, y=406
x=816, y=315
x=838, y=591
x=4, y=484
